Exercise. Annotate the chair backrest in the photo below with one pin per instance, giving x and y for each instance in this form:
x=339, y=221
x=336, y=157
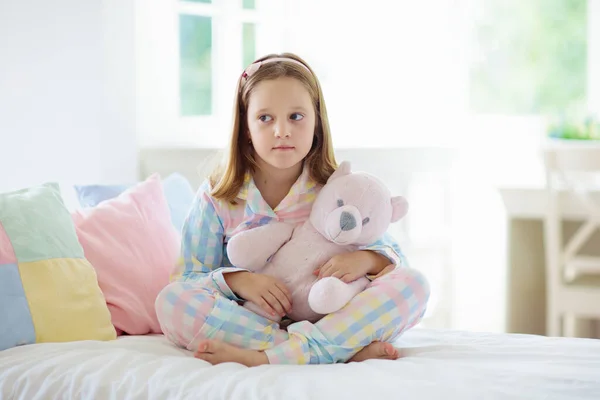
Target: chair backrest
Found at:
x=571, y=171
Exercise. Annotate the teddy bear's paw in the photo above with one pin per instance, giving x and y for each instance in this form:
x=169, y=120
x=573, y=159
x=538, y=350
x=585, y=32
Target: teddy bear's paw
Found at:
x=331, y=294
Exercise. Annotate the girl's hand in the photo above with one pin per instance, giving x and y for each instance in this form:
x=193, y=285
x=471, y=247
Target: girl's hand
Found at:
x=348, y=267
x=263, y=290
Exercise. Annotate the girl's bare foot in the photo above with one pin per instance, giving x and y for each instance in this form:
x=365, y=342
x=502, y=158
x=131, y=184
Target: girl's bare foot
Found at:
x=376, y=350
x=216, y=352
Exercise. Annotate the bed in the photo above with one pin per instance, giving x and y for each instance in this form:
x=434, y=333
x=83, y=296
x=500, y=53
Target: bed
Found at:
x=435, y=365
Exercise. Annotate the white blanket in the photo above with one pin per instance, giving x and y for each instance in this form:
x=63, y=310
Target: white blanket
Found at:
x=436, y=365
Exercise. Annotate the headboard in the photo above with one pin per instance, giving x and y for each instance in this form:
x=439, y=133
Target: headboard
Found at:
x=396, y=166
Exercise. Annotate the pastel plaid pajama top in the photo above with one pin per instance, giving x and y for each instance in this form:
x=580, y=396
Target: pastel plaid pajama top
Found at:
x=211, y=223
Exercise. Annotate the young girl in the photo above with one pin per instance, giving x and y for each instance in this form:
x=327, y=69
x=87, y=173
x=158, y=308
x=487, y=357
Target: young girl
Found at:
x=280, y=156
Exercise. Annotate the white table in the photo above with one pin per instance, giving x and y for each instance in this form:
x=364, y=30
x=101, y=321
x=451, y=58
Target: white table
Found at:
x=525, y=208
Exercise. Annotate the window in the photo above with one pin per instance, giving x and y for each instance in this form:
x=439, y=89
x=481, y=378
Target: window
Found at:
x=195, y=69
x=529, y=57
x=530, y=64
x=191, y=53
x=417, y=74
x=197, y=44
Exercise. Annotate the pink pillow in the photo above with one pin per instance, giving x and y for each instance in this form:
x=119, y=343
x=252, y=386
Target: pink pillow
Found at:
x=133, y=246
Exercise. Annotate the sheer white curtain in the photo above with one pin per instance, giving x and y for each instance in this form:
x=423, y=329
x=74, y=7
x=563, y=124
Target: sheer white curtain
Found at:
x=392, y=71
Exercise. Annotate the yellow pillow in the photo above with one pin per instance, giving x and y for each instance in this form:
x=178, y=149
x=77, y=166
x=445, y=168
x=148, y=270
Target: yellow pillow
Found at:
x=48, y=290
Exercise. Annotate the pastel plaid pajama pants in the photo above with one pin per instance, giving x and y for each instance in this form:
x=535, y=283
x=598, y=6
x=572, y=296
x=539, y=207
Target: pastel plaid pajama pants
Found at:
x=191, y=312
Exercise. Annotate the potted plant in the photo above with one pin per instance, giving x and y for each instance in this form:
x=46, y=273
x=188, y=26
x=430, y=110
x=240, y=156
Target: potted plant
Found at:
x=587, y=128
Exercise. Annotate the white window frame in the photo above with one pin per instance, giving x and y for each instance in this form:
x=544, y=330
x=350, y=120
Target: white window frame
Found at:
x=158, y=119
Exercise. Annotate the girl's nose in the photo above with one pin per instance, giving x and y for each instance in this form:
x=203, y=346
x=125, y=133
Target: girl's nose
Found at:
x=282, y=130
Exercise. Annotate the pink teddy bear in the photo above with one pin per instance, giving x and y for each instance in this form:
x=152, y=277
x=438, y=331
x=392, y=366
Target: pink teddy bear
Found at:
x=350, y=211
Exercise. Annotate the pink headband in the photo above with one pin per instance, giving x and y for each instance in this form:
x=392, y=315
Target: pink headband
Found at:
x=252, y=68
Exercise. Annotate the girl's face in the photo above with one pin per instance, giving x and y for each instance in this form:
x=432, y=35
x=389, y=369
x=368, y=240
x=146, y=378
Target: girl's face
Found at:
x=281, y=122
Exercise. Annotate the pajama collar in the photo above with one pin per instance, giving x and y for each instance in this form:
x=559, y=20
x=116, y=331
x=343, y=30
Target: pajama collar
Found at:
x=255, y=204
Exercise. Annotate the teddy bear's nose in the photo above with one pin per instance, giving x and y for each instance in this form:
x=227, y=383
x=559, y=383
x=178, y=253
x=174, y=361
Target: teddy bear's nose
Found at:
x=347, y=221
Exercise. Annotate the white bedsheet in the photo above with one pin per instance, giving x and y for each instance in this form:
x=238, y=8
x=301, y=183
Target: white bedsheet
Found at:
x=436, y=365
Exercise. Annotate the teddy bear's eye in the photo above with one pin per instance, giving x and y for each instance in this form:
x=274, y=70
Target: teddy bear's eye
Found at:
x=340, y=202
x=365, y=221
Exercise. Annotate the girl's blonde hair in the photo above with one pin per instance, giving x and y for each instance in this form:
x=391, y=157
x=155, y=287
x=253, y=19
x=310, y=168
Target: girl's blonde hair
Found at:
x=227, y=180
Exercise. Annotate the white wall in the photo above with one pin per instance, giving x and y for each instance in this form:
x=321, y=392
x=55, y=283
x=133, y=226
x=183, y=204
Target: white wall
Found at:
x=67, y=111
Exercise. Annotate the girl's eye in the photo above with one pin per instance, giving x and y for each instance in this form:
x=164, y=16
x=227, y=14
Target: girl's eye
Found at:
x=296, y=116
x=265, y=118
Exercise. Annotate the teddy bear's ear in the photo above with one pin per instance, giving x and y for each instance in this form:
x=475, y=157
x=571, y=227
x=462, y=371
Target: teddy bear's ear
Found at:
x=343, y=169
x=399, y=208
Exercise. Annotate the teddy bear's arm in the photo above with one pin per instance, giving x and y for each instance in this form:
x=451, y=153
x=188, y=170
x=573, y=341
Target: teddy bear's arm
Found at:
x=252, y=249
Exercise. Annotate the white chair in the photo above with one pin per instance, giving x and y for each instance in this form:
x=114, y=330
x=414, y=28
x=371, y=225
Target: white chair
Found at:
x=572, y=279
